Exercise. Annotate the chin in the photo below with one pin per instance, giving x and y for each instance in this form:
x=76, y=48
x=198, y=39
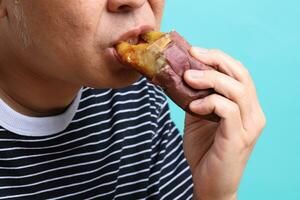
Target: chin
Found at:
x=125, y=79
x=119, y=80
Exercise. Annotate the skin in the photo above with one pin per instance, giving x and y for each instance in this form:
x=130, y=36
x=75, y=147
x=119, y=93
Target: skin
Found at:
x=218, y=152
x=56, y=47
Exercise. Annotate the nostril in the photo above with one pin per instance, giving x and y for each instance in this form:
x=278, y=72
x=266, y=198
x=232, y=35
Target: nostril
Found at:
x=124, y=5
x=124, y=8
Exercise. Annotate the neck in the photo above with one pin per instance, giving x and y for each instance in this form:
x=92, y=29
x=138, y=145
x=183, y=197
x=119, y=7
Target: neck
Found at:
x=33, y=94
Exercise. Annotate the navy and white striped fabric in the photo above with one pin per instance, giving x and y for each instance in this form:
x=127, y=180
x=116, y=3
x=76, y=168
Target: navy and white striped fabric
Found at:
x=121, y=144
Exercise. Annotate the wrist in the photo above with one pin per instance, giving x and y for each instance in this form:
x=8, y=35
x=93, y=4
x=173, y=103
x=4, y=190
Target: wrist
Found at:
x=228, y=197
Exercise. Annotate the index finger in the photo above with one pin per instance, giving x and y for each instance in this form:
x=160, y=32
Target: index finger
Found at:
x=222, y=62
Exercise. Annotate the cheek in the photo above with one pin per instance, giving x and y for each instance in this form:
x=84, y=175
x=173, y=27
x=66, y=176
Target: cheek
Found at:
x=61, y=23
x=20, y=27
x=76, y=27
x=59, y=31
x=62, y=42
x=158, y=8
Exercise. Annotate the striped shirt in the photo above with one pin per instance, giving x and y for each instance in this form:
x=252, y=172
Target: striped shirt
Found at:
x=120, y=144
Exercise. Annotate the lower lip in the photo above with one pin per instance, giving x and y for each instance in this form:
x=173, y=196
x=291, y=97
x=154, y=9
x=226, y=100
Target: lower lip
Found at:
x=113, y=54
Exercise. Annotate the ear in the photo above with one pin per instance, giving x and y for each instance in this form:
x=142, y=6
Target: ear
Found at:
x=3, y=11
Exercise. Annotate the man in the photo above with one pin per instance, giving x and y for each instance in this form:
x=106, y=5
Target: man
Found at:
x=59, y=139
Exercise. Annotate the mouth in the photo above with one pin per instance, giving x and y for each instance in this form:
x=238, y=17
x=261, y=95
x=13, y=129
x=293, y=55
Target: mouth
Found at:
x=145, y=54
x=135, y=40
x=117, y=56
x=133, y=36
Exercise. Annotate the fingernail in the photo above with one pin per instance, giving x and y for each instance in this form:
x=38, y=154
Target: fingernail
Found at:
x=195, y=74
x=199, y=50
x=195, y=104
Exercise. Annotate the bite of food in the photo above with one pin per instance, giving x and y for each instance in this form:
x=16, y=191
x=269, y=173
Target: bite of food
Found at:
x=163, y=58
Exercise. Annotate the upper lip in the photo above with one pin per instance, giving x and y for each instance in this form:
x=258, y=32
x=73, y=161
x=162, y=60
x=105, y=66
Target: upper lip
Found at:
x=133, y=33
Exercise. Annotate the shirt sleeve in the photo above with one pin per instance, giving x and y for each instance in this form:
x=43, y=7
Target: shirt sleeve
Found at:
x=170, y=175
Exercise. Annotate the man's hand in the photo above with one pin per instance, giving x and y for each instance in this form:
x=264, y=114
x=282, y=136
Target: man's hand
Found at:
x=218, y=152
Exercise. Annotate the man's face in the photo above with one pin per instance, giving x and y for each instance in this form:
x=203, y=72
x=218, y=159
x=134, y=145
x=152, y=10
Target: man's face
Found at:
x=72, y=40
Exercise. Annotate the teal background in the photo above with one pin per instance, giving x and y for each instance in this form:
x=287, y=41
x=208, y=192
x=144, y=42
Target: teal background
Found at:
x=265, y=36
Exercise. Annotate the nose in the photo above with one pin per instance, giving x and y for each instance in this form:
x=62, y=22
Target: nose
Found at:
x=124, y=5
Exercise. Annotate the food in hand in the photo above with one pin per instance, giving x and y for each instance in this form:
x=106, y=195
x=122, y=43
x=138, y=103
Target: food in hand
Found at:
x=163, y=58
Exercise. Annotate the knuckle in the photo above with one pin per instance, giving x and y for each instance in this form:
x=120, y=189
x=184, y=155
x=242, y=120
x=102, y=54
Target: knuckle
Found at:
x=245, y=71
x=258, y=122
x=242, y=92
x=249, y=142
x=211, y=77
x=218, y=58
x=239, y=63
x=216, y=52
x=229, y=109
x=214, y=98
x=234, y=109
x=262, y=122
